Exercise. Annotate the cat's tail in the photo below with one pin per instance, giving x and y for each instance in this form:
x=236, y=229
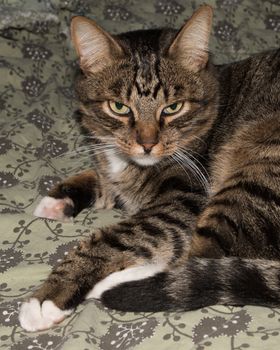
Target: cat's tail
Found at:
x=201, y=282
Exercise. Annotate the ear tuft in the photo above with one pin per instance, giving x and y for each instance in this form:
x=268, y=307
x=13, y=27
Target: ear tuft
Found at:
x=95, y=47
x=190, y=46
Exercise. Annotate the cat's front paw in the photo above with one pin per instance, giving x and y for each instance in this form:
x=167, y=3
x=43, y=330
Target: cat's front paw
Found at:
x=56, y=209
x=36, y=317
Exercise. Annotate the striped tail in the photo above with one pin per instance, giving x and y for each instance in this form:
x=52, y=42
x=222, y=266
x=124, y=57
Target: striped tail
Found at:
x=202, y=282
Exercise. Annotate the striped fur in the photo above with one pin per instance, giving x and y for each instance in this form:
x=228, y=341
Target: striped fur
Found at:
x=200, y=283
x=204, y=201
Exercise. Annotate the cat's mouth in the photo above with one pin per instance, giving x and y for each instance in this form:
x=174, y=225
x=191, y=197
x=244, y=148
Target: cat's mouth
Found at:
x=145, y=160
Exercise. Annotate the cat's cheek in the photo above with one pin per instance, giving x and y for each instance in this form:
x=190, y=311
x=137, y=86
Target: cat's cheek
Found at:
x=36, y=317
x=56, y=209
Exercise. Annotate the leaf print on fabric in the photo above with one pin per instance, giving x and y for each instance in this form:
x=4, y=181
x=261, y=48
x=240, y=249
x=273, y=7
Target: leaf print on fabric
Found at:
x=32, y=86
x=2, y=101
x=9, y=258
x=35, y=52
x=7, y=179
x=5, y=145
x=126, y=335
x=11, y=211
x=273, y=22
x=4, y=63
x=227, y=3
x=168, y=8
x=61, y=251
x=225, y=31
x=82, y=7
x=67, y=92
x=46, y=183
x=52, y=147
x=275, y=2
x=174, y=326
x=213, y=327
x=9, y=313
x=40, y=27
x=40, y=120
x=116, y=13
x=41, y=342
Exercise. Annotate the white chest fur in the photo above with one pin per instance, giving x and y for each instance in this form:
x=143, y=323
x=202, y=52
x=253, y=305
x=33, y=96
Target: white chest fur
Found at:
x=116, y=163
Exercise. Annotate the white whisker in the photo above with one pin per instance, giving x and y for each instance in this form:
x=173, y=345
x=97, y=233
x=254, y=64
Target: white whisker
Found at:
x=195, y=160
x=82, y=150
x=178, y=162
x=186, y=161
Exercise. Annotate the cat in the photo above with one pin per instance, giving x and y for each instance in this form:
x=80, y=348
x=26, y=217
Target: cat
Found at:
x=191, y=151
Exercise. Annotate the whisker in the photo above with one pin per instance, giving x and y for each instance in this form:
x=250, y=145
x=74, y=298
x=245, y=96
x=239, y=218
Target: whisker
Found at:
x=200, y=139
x=189, y=154
x=185, y=159
x=179, y=163
x=86, y=149
x=99, y=138
x=196, y=171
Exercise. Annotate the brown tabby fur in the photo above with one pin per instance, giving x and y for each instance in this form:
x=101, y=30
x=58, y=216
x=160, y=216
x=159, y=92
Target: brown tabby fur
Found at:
x=230, y=130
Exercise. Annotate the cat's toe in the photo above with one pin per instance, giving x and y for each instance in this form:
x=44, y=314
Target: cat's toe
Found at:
x=36, y=317
x=51, y=312
x=56, y=209
x=29, y=314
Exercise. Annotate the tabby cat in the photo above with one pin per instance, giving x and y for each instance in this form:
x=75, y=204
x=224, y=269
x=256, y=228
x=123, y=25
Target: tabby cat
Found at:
x=191, y=152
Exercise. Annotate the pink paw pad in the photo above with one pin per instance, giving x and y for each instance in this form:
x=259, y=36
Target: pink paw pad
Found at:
x=52, y=208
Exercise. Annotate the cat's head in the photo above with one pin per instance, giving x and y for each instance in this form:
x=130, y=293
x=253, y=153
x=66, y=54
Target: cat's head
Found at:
x=147, y=94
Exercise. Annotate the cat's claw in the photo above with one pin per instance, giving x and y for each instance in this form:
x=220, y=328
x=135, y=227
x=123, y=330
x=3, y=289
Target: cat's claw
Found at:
x=56, y=209
x=36, y=317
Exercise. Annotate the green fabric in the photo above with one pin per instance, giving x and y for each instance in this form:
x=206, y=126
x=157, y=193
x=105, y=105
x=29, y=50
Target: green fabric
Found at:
x=40, y=144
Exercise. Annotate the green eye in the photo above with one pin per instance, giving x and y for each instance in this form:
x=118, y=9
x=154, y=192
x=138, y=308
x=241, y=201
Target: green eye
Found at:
x=174, y=108
x=119, y=108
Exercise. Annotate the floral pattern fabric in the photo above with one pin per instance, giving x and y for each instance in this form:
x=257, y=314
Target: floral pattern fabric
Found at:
x=40, y=144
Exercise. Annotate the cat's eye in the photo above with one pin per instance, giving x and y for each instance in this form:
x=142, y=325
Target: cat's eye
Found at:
x=173, y=108
x=119, y=108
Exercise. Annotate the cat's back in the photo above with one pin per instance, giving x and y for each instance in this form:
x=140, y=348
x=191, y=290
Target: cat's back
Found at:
x=249, y=105
x=251, y=86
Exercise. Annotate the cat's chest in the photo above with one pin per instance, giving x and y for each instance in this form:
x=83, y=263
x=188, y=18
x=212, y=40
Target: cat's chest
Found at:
x=115, y=163
x=125, y=182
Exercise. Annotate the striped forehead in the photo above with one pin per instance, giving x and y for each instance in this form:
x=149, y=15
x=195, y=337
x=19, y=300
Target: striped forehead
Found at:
x=146, y=75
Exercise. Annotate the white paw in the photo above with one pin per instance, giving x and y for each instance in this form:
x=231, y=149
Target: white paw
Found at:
x=35, y=317
x=51, y=208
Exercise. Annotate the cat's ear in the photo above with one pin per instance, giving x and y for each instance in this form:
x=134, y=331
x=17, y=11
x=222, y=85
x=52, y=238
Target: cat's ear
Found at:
x=95, y=47
x=190, y=46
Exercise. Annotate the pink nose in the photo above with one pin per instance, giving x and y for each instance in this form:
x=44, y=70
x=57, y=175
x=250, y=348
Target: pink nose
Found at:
x=148, y=147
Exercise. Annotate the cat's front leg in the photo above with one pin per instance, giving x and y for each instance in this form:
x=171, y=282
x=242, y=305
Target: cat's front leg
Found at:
x=112, y=256
x=68, y=284
x=72, y=195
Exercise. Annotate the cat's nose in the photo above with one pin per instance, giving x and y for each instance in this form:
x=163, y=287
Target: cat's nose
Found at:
x=148, y=147
x=147, y=136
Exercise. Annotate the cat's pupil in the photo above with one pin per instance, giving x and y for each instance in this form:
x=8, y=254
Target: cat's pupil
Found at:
x=173, y=106
x=119, y=105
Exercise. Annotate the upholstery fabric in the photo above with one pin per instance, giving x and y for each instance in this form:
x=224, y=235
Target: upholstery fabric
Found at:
x=40, y=144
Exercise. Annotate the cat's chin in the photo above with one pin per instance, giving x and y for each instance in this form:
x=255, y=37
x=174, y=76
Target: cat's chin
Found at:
x=146, y=160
